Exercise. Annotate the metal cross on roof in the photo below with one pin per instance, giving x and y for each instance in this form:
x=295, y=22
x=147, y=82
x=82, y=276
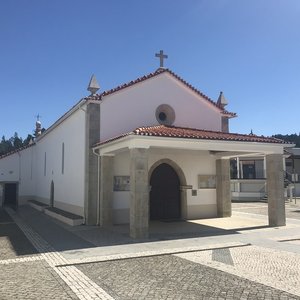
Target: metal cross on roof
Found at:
x=161, y=56
x=38, y=116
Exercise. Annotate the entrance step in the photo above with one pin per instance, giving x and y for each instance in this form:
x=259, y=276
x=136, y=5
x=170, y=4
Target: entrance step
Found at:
x=37, y=205
x=64, y=216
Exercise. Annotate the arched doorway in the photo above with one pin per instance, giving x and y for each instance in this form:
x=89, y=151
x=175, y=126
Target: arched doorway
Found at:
x=165, y=193
x=52, y=194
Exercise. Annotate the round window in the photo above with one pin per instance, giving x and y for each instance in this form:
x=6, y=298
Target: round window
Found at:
x=162, y=116
x=165, y=114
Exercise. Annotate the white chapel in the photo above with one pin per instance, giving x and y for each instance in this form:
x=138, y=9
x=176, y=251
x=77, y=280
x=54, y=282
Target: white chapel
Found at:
x=155, y=148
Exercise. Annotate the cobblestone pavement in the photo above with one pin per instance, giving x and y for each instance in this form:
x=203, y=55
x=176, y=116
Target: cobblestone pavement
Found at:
x=64, y=283
x=32, y=280
x=172, y=277
x=278, y=269
x=292, y=210
x=13, y=243
x=220, y=267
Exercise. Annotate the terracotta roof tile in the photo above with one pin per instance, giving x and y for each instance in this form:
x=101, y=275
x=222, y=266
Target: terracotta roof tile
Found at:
x=157, y=72
x=192, y=133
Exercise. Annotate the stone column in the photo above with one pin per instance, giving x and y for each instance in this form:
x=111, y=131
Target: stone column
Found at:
x=139, y=190
x=223, y=188
x=275, y=189
x=92, y=134
x=106, y=190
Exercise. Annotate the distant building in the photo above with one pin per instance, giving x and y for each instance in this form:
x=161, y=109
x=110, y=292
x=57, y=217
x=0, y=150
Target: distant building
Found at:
x=292, y=163
x=248, y=178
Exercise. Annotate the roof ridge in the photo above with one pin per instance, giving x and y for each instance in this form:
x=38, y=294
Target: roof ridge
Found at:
x=125, y=85
x=200, y=93
x=151, y=75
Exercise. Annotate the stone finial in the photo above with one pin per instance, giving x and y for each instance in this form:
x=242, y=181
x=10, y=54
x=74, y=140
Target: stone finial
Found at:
x=222, y=102
x=93, y=86
x=38, y=126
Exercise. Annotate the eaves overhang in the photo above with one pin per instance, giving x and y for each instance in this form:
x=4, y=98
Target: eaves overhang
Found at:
x=220, y=148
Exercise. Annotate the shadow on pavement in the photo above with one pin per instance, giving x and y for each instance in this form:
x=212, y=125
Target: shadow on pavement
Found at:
x=64, y=237
x=13, y=242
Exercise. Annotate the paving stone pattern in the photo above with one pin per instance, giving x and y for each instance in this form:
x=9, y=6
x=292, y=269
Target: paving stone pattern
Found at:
x=13, y=243
x=278, y=269
x=291, y=210
x=32, y=280
x=30, y=268
x=74, y=279
x=171, y=277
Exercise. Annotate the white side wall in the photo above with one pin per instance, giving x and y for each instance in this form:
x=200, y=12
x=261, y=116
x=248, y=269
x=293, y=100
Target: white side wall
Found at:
x=69, y=185
x=27, y=167
x=27, y=176
x=9, y=168
x=18, y=167
x=9, y=172
x=135, y=106
x=192, y=163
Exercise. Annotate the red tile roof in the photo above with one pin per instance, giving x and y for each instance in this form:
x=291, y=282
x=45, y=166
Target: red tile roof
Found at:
x=157, y=72
x=192, y=133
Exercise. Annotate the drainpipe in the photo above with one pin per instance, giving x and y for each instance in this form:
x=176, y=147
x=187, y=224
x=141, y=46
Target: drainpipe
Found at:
x=98, y=190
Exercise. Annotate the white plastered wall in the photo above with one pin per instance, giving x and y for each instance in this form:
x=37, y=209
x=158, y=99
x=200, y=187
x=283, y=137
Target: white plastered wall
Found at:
x=121, y=199
x=135, y=106
x=192, y=163
x=27, y=177
x=27, y=167
x=9, y=168
x=18, y=168
x=9, y=172
x=69, y=185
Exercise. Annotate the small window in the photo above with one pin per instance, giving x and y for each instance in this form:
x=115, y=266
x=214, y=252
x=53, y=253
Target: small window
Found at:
x=62, y=158
x=45, y=164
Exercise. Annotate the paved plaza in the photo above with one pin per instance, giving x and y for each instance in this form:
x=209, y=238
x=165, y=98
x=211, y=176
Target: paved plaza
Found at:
x=230, y=258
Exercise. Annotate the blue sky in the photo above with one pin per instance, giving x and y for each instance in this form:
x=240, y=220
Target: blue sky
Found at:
x=248, y=49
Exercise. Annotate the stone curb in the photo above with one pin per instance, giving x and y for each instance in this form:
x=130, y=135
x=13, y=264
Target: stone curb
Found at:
x=95, y=259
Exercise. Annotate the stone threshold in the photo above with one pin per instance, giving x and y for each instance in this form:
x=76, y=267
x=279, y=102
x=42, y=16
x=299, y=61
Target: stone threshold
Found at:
x=56, y=213
x=151, y=253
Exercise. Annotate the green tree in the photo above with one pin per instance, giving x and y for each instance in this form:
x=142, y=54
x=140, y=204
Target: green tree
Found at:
x=292, y=138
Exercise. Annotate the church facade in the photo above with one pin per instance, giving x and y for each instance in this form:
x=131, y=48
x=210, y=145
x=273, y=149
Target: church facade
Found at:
x=155, y=148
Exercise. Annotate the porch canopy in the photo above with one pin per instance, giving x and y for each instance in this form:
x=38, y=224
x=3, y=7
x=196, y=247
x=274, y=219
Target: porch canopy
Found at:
x=222, y=146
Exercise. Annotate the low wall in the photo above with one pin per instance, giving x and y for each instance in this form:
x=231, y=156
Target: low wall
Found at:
x=248, y=189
